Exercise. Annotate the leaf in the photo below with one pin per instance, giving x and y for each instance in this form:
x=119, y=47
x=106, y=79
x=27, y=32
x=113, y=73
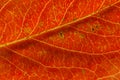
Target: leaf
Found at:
x=59, y=39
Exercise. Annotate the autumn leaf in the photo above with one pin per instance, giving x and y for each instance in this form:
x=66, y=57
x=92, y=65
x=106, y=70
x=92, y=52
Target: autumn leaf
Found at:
x=59, y=39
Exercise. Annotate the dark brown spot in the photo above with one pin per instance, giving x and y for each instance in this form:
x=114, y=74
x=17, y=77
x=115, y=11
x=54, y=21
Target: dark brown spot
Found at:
x=61, y=35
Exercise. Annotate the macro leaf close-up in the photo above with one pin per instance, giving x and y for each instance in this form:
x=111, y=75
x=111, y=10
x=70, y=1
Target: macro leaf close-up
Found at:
x=59, y=39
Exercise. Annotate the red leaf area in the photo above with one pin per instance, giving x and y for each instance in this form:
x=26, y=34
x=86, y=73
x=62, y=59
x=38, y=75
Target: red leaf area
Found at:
x=59, y=39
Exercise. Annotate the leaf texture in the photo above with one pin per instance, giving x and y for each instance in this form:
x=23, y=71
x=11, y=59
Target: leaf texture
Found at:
x=59, y=39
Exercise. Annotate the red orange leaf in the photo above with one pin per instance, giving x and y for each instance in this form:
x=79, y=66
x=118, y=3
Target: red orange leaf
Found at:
x=59, y=39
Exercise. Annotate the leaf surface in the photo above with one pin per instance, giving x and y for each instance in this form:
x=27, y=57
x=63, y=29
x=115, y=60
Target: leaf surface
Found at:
x=59, y=39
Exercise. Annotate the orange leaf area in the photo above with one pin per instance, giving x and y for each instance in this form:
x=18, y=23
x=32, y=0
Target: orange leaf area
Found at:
x=59, y=39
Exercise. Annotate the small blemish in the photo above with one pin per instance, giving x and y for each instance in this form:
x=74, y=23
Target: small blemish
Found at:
x=81, y=35
x=110, y=31
x=83, y=71
x=63, y=19
x=95, y=28
x=16, y=33
x=27, y=30
x=41, y=24
x=102, y=47
x=74, y=19
x=42, y=52
x=61, y=34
